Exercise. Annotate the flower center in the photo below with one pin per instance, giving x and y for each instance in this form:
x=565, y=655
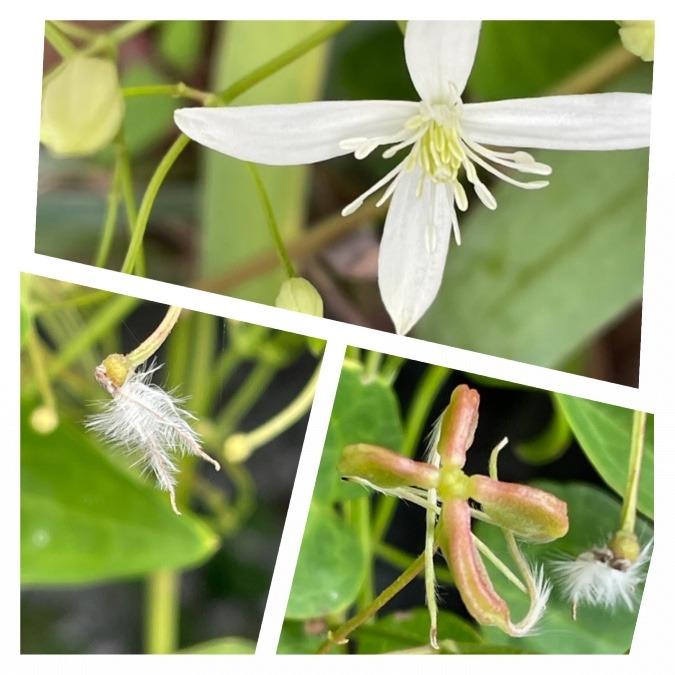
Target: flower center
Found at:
x=439, y=153
x=453, y=483
x=439, y=149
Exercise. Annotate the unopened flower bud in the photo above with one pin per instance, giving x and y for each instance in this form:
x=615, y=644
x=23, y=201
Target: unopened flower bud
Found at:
x=384, y=468
x=638, y=38
x=82, y=107
x=299, y=295
x=530, y=513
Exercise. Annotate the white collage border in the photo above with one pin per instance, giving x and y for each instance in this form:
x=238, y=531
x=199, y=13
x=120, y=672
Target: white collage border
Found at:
x=22, y=61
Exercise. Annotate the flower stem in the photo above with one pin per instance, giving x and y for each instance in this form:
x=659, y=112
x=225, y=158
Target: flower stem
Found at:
x=39, y=370
x=127, y=185
x=58, y=40
x=339, y=635
x=400, y=559
x=630, y=495
x=150, y=345
x=371, y=367
x=263, y=72
x=162, y=612
x=178, y=90
x=74, y=30
x=283, y=420
x=246, y=396
x=271, y=220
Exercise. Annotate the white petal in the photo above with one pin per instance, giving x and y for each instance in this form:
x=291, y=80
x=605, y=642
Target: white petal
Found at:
x=299, y=133
x=413, y=249
x=618, y=121
x=439, y=53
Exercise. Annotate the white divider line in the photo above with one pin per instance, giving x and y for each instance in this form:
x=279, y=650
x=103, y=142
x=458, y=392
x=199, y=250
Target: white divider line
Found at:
x=365, y=338
x=301, y=496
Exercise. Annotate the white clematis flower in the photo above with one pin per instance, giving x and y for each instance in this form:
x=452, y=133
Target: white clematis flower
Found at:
x=445, y=141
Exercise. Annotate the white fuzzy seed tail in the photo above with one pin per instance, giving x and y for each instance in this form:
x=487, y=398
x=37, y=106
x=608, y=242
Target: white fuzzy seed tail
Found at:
x=148, y=424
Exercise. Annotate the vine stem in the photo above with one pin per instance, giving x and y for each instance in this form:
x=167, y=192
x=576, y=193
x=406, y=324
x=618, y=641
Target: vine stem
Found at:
x=339, y=636
x=162, y=609
x=637, y=446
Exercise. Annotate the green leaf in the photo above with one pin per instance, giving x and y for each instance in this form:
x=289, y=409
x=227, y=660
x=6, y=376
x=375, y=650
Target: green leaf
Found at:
x=593, y=516
x=331, y=566
x=604, y=433
x=181, y=43
x=228, y=645
x=570, y=255
x=401, y=630
x=363, y=412
x=84, y=520
x=524, y=58
x=234, y=223
x=296, y=639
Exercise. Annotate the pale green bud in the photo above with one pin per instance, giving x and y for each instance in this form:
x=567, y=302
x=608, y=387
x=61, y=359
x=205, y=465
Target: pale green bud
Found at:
x=44, y=419
x=237, y=448
x=300, y=296
x=82, y=107
x=638, y=38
